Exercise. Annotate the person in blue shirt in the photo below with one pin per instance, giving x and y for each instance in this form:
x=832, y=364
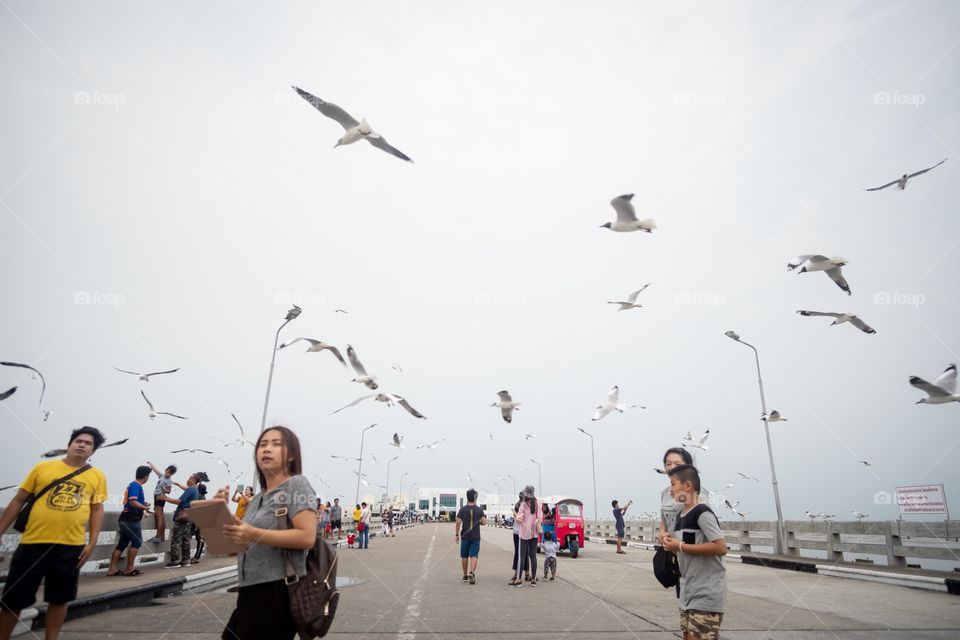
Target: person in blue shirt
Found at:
x=128, y=524
x=618, y=512
x=182, y=527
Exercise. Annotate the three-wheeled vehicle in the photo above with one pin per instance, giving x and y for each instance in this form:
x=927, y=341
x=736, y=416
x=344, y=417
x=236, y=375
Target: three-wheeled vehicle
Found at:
x=567, y=522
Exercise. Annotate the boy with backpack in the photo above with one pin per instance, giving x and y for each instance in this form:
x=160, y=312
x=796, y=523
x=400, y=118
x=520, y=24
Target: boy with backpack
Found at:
x=699, y=545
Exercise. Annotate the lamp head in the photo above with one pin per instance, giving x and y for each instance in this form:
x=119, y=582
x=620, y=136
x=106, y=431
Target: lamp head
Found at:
x=293, y=312
x=733, y=335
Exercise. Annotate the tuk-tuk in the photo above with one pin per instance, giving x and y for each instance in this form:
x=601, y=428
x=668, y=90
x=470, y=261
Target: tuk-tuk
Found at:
x=567, y=523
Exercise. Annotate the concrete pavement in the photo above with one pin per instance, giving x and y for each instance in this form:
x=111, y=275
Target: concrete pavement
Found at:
x=412, y=588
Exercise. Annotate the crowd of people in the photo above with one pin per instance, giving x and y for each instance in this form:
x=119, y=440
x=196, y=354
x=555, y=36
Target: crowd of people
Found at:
x=62, y=502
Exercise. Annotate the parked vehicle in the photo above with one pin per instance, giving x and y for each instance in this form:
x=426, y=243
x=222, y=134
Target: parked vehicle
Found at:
x=568, y=522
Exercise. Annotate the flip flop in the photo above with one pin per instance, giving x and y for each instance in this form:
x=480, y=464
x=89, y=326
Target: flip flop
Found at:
x=115, y=574
x=135, y=572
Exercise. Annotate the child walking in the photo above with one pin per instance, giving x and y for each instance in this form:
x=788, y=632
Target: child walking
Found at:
x=550, y=548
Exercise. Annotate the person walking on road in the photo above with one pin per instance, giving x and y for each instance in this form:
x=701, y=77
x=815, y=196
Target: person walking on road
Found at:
x=336, y=517
x=529, y=517
x=364, y=525
x=467, y=533
x=618, y=517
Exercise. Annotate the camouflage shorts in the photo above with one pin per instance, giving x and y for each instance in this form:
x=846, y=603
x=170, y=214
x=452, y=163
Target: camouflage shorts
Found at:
x=702, y=624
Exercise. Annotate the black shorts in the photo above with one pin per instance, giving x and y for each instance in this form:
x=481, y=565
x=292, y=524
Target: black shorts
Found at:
x=158, y=503
x=262, y=613
x=336, y=525
x=54, y=564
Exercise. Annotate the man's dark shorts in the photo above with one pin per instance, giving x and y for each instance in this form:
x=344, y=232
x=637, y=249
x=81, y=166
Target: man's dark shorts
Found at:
x=54, y=564
x=619, y=531
x=130, y=534
x=336, y=525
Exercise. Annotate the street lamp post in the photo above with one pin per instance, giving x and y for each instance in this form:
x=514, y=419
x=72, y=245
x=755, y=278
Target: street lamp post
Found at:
x=593, y=464
x=360, y=461
x=387, y=488
x=512, y=477
x=539, y=478
x=291, y=315
x=402, y=476
x=781, y=533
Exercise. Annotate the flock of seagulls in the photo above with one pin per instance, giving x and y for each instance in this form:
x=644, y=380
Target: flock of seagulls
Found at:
x=941, y=391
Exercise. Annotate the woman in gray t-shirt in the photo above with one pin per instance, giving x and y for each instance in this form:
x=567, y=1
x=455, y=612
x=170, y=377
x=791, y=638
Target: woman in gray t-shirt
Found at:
x=263, y=604
x=670, y=508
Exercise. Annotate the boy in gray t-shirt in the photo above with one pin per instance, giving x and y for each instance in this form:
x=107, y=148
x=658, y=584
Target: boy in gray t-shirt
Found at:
x=699, y=543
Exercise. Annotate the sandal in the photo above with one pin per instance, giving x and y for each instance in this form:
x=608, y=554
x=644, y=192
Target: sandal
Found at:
x=115, y=574
x=514, y=582
x=135, y=572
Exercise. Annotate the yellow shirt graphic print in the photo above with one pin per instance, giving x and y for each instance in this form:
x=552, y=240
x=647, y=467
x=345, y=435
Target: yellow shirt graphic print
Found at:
x=60, y=516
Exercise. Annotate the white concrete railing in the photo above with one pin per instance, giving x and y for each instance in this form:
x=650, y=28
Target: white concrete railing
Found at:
x=897, y=541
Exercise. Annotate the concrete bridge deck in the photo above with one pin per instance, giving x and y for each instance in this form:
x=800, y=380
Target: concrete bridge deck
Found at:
x=411, y=588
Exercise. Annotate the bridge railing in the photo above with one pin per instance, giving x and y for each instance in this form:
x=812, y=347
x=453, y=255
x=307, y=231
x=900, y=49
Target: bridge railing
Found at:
x=897, y=541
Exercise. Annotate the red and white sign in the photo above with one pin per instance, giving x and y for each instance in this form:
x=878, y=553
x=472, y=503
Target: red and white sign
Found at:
x=923, y=500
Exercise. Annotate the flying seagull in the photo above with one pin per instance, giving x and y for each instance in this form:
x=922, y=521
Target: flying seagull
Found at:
x=859, y=516
x=506, y=405
x=9, y=392
x=146, y=376
x=192, y=451
x=746, y=477
x=774, y=416
x=865, y=463
x=627, y=217
x=612, y=403
x=36, y=373
x=342, y=457
x=354, y=130
x=631, y=301
x=528, y=436
x=374, y=457
x=432, y=445
x=901, y=182
x=53, y=453
x=397, y=441
x=840, y=318
x=154, y=413
x=697, y=443
x=490, y=435
x=340, y=311
x=831, y=266
x=942, y=391
x=227, y=466
x=390, y=399
x=396, y=367
x=46, y=414
x=362, y=377
x=315, y=346
x=660, y=471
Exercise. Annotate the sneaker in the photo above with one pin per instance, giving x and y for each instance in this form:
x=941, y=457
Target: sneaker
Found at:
x=553, y=577
x=465, y=578
x=172, y=564
x=473, y=578
x=184, y=564
x=533, y=582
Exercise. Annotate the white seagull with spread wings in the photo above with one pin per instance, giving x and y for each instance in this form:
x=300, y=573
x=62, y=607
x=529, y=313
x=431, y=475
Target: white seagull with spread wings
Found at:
x=901, y=182
x=36, y=373
x=154, y=413
x=943, y=389
x=315, y=347
x=840, y=318
x=389, y=399
x=145, y=377
x=354, y=130
x=627, y=217
x=507, y=405
x=696, y=443
x=362, y=377
x=631, y=301
x=815, y=262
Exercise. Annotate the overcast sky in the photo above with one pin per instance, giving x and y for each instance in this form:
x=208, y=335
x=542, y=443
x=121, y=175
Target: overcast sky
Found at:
x=164, y=196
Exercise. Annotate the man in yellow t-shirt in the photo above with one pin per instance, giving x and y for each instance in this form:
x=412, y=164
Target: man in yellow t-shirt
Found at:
x=54, y=546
